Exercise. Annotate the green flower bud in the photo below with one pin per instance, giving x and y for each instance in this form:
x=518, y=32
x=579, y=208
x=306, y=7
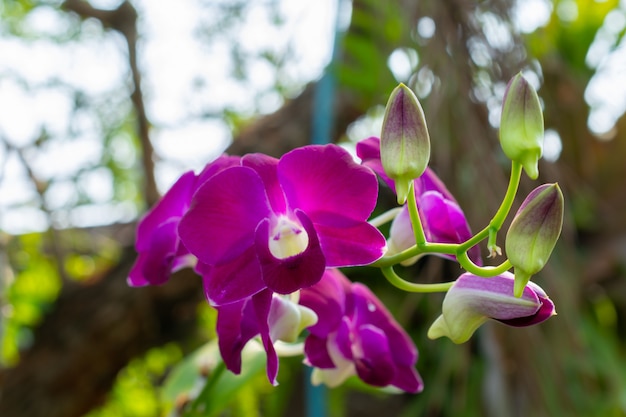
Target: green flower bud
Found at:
x=521, y=125
x=404, y=140
x=533, y=233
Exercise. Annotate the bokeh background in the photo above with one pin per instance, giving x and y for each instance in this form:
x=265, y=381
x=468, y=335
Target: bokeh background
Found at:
x=104, y=103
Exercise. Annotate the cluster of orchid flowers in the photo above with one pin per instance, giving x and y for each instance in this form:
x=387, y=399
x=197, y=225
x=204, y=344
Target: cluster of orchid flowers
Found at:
x=267, y=236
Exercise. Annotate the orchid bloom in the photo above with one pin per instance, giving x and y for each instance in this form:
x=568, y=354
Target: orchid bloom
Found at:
x=355, y=334
x=473, y=300
x=270, y=316
x=160, y=252
x=277, y=224
x=442, y=218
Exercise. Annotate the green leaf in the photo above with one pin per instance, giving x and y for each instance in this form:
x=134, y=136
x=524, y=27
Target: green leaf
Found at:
x=201, y=385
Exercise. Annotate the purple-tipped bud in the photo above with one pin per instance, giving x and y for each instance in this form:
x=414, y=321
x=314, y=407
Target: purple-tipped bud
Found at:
x=533, y=233
x=473, y=300
x=521, y=125
x=404, y=140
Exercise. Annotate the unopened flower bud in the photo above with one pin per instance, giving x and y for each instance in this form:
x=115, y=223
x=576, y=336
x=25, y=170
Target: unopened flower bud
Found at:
x=404, y=140
x=533, y=233
x=521, y=125
x=473, y=300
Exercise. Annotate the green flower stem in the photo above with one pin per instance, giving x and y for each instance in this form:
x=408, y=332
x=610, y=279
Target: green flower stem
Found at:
x=509, y=197
x=418, y=230
x=385, y=217
x=482, y=271
x=400, y=283
x=460, y=250
x=391, y=260
x=449, y=248
x=498, y=219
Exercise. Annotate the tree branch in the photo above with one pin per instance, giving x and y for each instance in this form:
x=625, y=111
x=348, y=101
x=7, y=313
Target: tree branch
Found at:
x=124, y=20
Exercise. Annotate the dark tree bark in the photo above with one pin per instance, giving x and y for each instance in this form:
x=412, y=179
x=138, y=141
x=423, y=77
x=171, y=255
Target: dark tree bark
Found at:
x=93, y=331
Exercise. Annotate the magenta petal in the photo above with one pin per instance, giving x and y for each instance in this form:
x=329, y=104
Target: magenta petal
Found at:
x=326, y=178
x=546, y=310
x=374, y=364
x=344, y=338
x=347, y=242
x=285, y=276
x=236, y=325
x=172, y=204
x=407, y=379
x=223, y=215
x=316, y=352
x=327, y=299
x=369, y=152
x=265, y=166
x=239, y=322
x=233, y=281
x=445, y=222
x=370, y=310
x=216, y=166
x=262, y=303
x=154, y=266
x=429, y=181
x=136, y=277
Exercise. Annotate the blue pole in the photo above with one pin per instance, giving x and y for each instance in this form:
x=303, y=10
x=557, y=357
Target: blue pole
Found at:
x=316, y=397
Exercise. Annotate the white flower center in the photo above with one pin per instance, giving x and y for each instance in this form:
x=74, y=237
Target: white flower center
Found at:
x=287, y=239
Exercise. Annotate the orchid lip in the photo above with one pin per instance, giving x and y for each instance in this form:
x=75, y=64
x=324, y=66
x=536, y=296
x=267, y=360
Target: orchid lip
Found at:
x=287, y=238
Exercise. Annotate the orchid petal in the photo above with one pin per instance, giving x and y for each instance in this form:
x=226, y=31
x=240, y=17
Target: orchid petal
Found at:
x=343, y=338
x=235, y=280
x=265, y=166
x=347, y=242
x=373, y=357
x=215, y=167
x=369, y=152
x=172, y=204
x=429, y=181
x=236, y=325
x=316, y=352
x=262, y=303
x=327, y=299
x=342, y=368
x=369, y=309
x=326, y=179
x=223, y=215
x=408, y=379
x=154, y=266
x=285, y=276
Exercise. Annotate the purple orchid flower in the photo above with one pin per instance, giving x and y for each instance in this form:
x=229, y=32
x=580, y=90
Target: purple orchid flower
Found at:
x=442, y=218
x=473, y=300
x=278, y=224
x=268, y=315
x=160, y=252
x=355, y=334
